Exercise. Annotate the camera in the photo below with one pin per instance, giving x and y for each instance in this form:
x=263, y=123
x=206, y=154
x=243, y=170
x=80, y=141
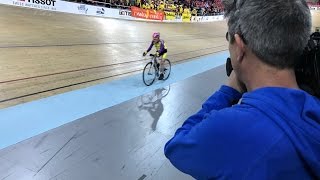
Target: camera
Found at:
x=228, y=67
x=307, y=68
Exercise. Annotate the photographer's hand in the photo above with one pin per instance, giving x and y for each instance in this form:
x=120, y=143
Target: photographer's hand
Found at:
x=236, y=84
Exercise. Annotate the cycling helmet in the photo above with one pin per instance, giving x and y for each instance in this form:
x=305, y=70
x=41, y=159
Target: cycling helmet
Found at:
x=156, y=34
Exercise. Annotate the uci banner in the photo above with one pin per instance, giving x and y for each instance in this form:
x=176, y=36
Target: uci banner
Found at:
x=146, y=13
x=170, y=15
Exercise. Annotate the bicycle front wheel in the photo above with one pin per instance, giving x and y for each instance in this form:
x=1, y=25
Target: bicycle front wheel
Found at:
x=149, y=74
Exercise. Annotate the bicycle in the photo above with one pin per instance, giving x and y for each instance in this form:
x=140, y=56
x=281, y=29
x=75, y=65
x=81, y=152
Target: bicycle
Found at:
x=151, y=70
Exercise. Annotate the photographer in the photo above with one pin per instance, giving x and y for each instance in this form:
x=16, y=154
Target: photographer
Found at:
x=273, y=132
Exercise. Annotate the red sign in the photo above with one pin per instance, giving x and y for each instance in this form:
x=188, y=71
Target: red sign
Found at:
x=146, y=13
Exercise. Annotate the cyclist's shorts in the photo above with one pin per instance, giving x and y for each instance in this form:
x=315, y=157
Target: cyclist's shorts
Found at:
x=164, y=56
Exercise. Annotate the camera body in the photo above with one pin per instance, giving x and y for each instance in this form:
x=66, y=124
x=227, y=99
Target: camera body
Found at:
x=228, y=67
x=307, y=67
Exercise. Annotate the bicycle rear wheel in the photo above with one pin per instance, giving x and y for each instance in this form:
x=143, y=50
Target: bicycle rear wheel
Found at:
x=149, y=74
x=167, y=69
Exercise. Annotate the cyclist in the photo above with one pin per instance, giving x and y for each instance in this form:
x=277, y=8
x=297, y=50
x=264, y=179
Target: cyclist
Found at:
x=161, y=51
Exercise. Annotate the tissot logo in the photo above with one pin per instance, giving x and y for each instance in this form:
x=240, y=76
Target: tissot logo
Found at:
x=42, y=2
x=37, y=4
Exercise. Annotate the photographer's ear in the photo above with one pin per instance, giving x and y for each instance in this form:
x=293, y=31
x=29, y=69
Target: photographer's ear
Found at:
x=240, y=50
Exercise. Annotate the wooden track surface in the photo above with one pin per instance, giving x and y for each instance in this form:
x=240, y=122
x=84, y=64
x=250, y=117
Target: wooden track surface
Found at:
x=41, y=51
x=43, y=54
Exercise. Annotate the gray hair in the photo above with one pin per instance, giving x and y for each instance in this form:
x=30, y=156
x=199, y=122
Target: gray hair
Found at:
x=276, y=31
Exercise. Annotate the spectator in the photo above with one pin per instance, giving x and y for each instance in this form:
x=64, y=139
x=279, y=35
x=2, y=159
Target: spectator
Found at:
x=194, y=12
x=138, y=3
x=273, y=132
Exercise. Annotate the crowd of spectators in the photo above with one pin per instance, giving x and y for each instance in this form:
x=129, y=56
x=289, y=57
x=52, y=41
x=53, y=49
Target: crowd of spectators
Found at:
x=195, y=7
x=313, y=2
x=198, y=7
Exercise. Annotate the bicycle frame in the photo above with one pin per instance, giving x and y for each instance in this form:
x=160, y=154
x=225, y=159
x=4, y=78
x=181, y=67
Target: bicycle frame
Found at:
x=154, y=62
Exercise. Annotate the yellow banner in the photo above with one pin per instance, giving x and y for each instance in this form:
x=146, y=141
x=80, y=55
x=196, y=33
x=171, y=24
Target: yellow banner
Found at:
x=170, y=15
x=186, y=17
